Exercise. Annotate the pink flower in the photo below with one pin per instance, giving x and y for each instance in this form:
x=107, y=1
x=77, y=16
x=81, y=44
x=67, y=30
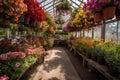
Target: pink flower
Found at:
x=13, y=55
x=42, y=51
x=3, y=57
x=30, y=51
x=21, y=55
x=4, y=77
x=17, y=64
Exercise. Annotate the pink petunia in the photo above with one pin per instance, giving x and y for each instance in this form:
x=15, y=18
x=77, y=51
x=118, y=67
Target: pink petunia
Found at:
x=3, y=57
x=17, y=64
x=4, y=77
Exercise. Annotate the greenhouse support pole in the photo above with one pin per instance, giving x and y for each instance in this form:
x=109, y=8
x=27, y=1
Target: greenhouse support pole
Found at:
x=117, y=30
x=92, y=33
x=83, y=33
x=103, y=31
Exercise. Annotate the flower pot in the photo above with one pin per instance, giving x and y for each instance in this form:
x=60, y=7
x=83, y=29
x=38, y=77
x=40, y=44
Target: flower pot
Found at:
x=117, y=13
x=101, y=60
x=108, y=12
x=97, y=16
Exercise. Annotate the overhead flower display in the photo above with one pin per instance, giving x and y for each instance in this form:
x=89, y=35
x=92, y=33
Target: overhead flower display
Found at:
x=11, y=10
x=34, y=14
x=102, y=9
x=81, y=19
x=95, y=7
x=49, y=25
x=63, y=8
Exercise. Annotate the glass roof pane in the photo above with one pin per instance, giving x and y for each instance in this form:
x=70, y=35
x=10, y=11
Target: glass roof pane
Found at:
x=49, y=5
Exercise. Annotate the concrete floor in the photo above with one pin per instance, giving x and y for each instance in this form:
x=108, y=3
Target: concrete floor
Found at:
x=57, y=66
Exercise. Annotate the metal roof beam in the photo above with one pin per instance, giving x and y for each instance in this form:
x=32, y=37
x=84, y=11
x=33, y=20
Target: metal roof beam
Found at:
x=81, y=1
x=42, y=1
x=52, y=5
x=49, y=3
x=74, y=3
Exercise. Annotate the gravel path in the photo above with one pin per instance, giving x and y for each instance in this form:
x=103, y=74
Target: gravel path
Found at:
x=57, y=66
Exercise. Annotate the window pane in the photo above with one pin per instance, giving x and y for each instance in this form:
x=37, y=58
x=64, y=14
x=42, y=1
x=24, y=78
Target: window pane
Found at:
x=88, y=33
x=97, y=32
x=110, y=31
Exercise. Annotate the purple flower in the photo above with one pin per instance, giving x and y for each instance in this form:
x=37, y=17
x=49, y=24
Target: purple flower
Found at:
x=93, y=5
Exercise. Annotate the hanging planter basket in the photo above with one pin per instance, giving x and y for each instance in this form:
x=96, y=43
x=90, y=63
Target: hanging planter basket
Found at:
x=97, y=17
x=117, y=13
x=108, y=12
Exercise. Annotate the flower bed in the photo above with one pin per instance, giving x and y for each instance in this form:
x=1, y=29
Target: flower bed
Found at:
x=15, y=60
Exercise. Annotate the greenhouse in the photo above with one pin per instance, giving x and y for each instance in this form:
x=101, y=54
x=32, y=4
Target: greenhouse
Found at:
x=59, y=39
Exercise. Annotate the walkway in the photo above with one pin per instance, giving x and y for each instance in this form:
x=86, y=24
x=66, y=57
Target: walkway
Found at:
x=57, y=66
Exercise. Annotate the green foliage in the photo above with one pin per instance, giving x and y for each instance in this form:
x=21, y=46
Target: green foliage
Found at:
x=8, y=66
x=112, y=56
x=50, y=43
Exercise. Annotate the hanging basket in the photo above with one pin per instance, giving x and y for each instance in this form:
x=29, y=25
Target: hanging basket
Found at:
x=97, y=17
x=117, y=13
x=108, y=12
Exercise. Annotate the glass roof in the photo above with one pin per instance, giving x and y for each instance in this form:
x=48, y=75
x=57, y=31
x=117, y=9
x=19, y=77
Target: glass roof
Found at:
x=49, y=5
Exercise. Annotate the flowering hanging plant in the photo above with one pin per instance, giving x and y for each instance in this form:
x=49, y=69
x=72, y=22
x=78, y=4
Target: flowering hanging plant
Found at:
x=93, y=5
x=81, y=19
x=63, y=8
x=51, y=21
x=106, y=3
x=35, y=11
x=12, y=9
x=98, y=5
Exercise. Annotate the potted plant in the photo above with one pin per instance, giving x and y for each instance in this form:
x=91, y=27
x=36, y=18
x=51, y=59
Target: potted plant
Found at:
x=89, y=52
x=64, y=7
x=94, y=54
x=109, y=7
x=95, y=8
x=113, y=62
x=100, y=55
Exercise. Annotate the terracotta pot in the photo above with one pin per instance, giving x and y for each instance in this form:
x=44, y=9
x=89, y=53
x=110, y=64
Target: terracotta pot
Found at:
x=100, y=60
x=97, y=16
x=117, y=13
x=108, y=12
